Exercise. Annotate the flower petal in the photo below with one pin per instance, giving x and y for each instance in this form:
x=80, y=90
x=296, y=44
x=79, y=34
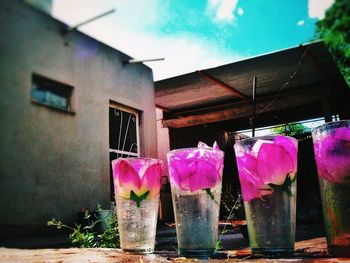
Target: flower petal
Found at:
x=202, y=145
x=139, y=165
x=332, y=154
x=252, y=186
x=291, y=146
x=250, y=190
x=151, y=180
x=257, y=145
x=342, y=134
x=126, y=177
x=180, y=171
x=204, y=165
x=216, y=146
x=205, y=176
x=274, y=163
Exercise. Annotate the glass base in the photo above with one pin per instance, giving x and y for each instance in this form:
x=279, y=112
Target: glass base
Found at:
x=196, y=253
x=138, y=251
x=273, y=252
x=339, y=251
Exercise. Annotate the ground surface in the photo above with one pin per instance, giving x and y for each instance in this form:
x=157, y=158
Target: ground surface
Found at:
x=313, y=250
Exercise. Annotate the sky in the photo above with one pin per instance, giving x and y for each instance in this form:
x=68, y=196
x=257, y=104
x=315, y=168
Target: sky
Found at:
x=195, y=34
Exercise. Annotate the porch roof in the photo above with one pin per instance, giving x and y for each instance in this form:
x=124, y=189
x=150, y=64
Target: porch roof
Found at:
x=303, y=78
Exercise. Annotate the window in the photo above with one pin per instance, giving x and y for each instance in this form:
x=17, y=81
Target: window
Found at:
x=51, y=93
x=124, y=136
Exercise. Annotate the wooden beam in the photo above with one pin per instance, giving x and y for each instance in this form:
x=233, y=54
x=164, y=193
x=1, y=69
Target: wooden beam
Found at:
x=221, y=84
x=162, y=108
x=244, y=110
x=267, y=97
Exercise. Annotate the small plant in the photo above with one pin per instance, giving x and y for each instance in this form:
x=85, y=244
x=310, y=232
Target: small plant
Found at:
x=110, y=237
x=230, y=203
x=86, y=237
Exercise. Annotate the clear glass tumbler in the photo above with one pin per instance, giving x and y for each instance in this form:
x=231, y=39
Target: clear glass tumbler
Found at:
x=267, y=168
x=196, y=177
x=137, y=186
x=332, y=154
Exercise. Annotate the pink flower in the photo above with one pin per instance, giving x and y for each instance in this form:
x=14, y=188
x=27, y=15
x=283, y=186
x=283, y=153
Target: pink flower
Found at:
x=332, y=154
x=193, y=169
x=269, y=164
x=251, y=184
x=137, y=175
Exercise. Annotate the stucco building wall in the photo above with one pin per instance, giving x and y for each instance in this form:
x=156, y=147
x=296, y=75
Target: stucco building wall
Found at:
x=53, y=163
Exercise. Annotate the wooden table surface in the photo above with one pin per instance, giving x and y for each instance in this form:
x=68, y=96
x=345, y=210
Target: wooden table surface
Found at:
x=313, y=250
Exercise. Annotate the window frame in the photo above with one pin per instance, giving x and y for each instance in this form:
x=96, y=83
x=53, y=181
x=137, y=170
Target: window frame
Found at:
x=137, y=113
x=41, y=82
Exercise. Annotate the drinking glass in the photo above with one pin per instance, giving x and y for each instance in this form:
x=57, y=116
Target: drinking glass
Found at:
x=137, y=186
x=267, y=168
x=195, y=178
x=332, y=154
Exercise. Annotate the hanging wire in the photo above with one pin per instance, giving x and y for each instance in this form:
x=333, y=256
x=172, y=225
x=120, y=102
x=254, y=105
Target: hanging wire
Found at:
x=291, y=77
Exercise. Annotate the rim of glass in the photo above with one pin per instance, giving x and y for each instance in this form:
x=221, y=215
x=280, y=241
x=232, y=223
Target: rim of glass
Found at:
x=138, y=158
x=266, y=137
x=328, y=124
x=194, y=148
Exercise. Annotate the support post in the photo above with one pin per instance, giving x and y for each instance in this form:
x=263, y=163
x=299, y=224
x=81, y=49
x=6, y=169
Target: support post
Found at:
x=327, y=112
x=254, y=106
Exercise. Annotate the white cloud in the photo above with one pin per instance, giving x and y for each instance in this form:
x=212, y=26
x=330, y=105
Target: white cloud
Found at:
x=300, y=22
x=130, y=32
x=240, y=11
x=127, y=13
x=184, y=54
x=223, y=9
x=317, y=8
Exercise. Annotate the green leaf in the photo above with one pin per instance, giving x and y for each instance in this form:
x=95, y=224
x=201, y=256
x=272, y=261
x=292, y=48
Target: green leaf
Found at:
x=334, y=29
x=137, y=199
x=285, y=187
x=208, y=191
x=218, y=245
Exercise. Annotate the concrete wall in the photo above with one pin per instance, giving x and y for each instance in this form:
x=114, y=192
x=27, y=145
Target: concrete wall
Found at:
x=54, y=163
x=163, y=141
x=43, y=5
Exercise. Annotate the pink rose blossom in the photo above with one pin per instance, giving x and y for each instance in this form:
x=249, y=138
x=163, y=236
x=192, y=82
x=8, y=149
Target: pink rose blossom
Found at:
x=332, y=154
x=267, y=164
x=139, y=175
x=193, y=169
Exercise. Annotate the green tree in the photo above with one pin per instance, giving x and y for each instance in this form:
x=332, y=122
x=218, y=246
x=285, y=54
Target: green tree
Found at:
x=290, y=129
x=334, y=29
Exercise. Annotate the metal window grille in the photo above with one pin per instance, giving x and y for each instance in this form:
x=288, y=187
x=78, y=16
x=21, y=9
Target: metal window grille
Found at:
x=123, y=133
x=124, y=138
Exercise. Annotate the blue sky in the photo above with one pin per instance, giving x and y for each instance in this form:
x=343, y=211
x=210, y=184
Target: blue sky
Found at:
x=195, y=34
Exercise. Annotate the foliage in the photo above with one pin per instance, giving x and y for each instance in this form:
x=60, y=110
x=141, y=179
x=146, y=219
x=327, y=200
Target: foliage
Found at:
x=230, y=203
x=334, y=29
x=110, y=237
x=86, y=236
x=291, y=129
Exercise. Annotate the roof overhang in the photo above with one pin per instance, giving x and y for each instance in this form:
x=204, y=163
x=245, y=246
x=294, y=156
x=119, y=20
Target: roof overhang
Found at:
x=303, y=77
